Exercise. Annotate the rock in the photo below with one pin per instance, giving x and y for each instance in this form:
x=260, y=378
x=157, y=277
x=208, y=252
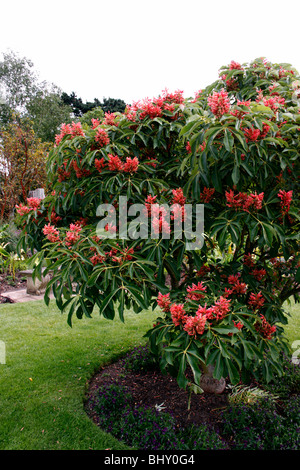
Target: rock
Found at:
x=211, y=385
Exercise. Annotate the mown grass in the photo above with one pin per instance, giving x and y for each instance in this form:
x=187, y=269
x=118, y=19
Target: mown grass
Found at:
x=47, y=368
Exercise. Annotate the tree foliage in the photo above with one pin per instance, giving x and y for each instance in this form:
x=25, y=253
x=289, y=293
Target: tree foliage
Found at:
x=22, y=164
x=232, y=150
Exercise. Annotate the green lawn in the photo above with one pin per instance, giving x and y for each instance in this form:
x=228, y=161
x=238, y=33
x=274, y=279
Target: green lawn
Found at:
x=47, y=367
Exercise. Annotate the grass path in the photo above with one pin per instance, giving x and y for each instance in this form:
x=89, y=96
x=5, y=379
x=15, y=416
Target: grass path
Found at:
x=47, y=367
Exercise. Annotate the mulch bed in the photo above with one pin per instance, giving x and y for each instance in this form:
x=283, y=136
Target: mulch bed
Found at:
x=153, y=388
x=8, y=284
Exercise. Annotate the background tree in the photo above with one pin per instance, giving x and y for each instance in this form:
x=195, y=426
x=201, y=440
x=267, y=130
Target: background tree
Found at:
x=47, y=111
x=22, y=164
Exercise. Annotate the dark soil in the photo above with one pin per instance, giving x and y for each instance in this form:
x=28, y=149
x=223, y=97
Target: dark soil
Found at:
x=9, y=283
x=154, y=388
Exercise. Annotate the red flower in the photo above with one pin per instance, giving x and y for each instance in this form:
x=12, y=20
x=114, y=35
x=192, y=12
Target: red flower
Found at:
x=264, y=328
x=23, y=210
x=258, y=274
x=286, y=199
x=178, y=197
x=100, y=164
x=221, y=308
x=244, y=201
x=235, y=65
x=72, y=235
x=207, y=194
x=256, y=301
x=193, y=291
x=164, y=302
x=195, y=325
x=178, y=314
x=34, y=203
x=51, y=233
x=219, y=103
x=251, y=134
x=102, y=137
x=114, y=163
x=131, y=165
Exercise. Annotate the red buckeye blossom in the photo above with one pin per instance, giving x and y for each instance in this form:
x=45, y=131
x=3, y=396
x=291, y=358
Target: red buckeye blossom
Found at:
x=110, y=119
x=178, y=314
x=34, y=203
x=207, y=195
x=131, y=165
x=193, y=291
x=51, y=233
x=244, y=201
x=164, y=302
x=219, y=103
x=72, y=236
x=251, y=134
x=195, y=325
x=100, y=164
x=95, y=123
x=256, y=301
x=235, y=65
x=286, y=199
x=178, y=197
x=73, y=130
x=23, y=210
x=102, y=137
x=264, y=328
x=114, y=163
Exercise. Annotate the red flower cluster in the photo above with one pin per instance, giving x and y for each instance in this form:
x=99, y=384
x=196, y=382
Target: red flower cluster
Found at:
x=110, y=119
x=238, y=287
x=219, y=103
x=163, y=301
x=116, y=164
x=195, y=325
x=264, y=328
x=256, y=301
x=73, y=130
x=178, y=197
x=207, y=195
x=244, y=201
x=274, y=102
x=102, y=137
x=258, y=274
x=154, y=107
x=253, y=135
x=178, y=314
x=72, y=235
x=194, y=291
x=33, y=204
x=285, y=200
x=51, y=233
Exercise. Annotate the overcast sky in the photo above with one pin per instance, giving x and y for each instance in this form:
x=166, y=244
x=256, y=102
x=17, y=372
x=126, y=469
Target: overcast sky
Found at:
x=133, y=49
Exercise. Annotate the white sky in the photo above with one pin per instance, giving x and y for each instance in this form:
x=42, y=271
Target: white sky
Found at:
x=133, y=49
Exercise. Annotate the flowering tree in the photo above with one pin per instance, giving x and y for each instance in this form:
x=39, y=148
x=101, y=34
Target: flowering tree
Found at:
x=22, y=164
x=232, y=151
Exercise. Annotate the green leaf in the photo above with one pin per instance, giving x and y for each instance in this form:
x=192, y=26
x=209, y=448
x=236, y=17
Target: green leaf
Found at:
x=233, y=372
x=228, y=140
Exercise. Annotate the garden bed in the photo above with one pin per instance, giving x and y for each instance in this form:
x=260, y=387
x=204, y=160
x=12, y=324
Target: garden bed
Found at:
x=9, y=283
x=149, y=389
